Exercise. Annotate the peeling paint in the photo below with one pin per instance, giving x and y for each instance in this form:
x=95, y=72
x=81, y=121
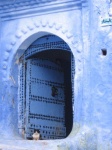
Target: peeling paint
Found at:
x=12, y=79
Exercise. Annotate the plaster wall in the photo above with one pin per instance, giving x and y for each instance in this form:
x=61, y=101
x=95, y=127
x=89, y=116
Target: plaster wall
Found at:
x=18, y=35
x=81, y=30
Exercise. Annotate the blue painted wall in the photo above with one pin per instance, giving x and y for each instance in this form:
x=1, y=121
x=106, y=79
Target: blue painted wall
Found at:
x=81, y=29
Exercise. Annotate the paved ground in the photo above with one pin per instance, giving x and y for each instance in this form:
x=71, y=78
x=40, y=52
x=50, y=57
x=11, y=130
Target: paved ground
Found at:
x=29, y=145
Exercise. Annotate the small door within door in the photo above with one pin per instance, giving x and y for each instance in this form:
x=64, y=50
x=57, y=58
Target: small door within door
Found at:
x=45, y=99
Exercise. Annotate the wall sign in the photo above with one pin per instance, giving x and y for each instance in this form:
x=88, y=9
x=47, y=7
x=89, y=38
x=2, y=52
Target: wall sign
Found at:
x=106, y=21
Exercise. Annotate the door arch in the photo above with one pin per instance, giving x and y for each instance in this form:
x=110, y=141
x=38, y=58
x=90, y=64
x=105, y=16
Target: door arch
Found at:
x=46, y=91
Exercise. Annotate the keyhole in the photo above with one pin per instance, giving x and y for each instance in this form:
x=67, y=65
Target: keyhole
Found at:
x=54, y=91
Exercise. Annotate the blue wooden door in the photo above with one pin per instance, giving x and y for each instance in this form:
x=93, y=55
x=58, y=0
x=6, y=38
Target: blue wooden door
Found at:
x=45, y=99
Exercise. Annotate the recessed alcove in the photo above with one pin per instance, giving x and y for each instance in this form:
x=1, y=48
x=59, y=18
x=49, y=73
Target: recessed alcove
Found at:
x=46, y=89
x=104, y=51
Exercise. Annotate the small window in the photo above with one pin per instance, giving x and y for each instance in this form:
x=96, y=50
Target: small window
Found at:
x=104, y=52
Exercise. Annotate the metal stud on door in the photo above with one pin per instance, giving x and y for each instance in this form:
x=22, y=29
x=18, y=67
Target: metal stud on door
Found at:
x=45, y=99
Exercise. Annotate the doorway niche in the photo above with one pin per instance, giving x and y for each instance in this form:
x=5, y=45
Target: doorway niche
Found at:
x=46, y=89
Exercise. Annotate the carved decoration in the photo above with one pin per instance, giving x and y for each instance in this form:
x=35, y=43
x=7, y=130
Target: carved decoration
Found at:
x=50, y=27
x=19, y=8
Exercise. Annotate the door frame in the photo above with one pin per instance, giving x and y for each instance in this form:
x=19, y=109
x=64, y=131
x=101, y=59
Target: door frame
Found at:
x=22, y=127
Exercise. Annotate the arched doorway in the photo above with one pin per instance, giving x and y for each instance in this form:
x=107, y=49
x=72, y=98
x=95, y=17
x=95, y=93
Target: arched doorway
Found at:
x=46, y=92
